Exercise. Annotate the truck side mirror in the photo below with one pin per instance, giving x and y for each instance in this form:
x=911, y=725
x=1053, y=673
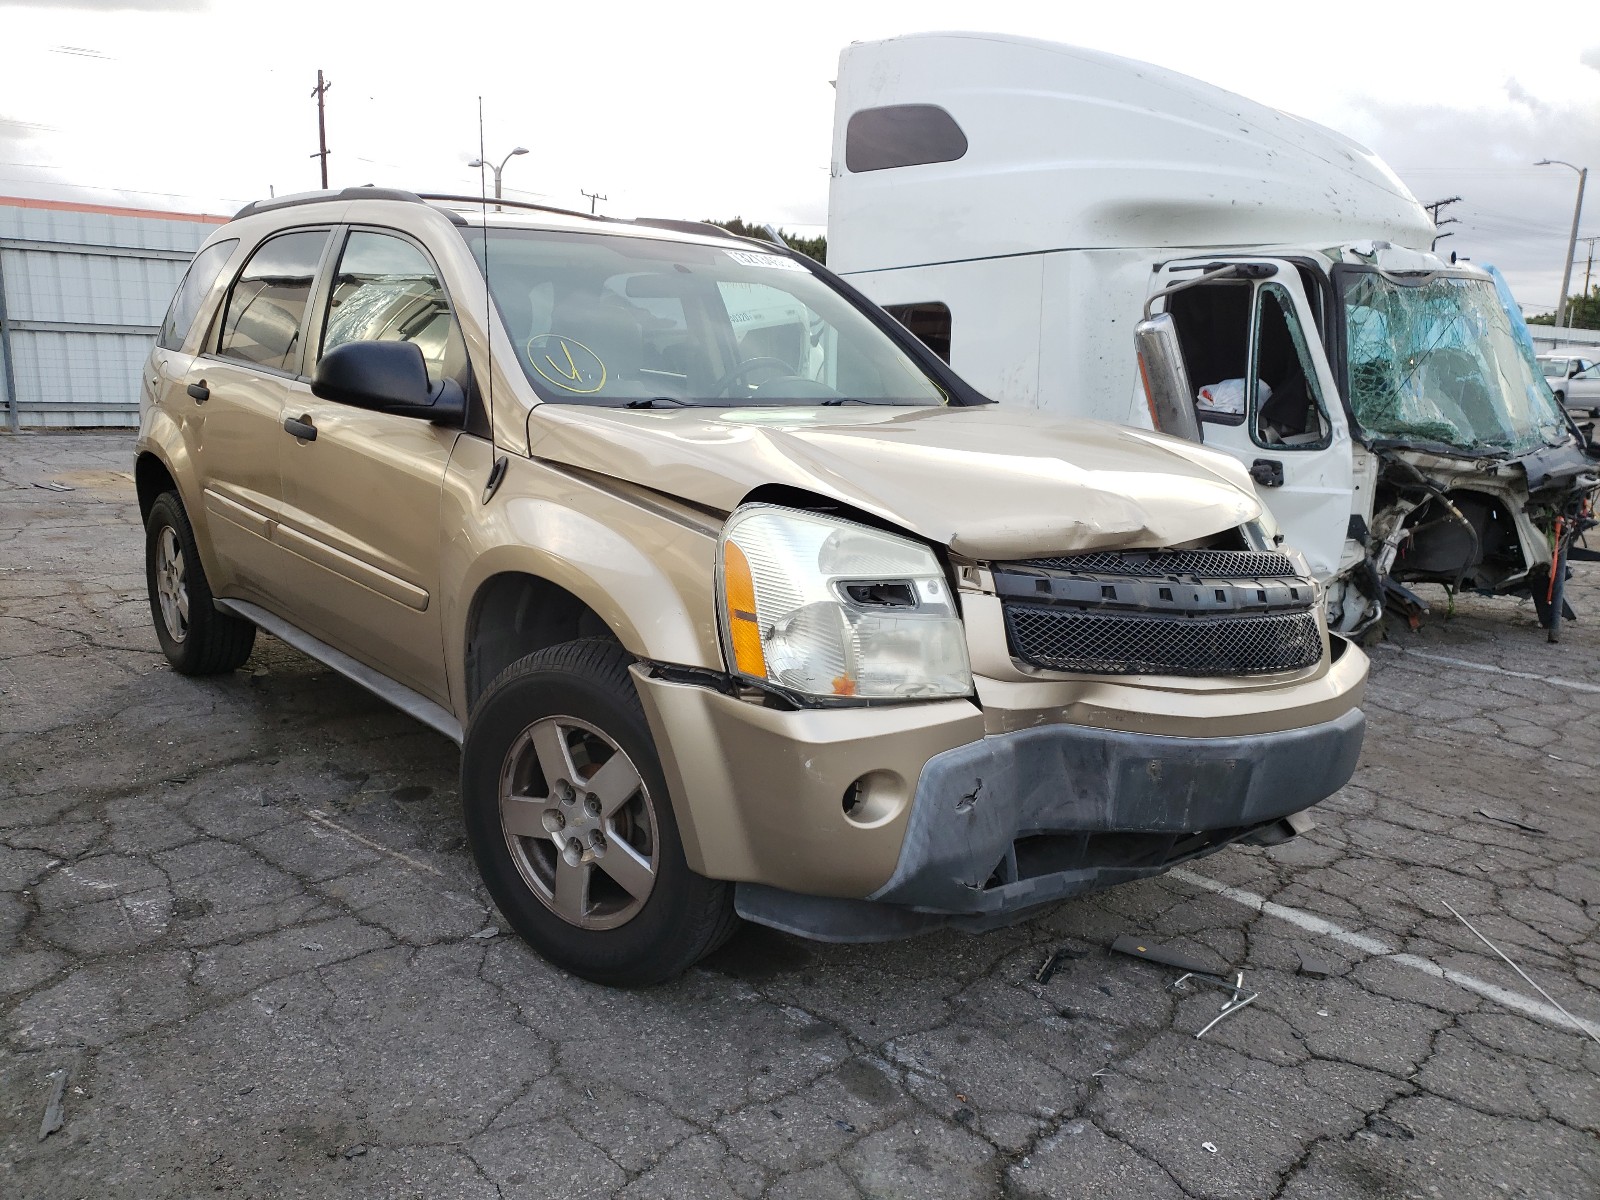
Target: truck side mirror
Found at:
x=1166, y=380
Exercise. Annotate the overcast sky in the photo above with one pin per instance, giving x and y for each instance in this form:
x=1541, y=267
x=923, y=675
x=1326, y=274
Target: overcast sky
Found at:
x=717, y=109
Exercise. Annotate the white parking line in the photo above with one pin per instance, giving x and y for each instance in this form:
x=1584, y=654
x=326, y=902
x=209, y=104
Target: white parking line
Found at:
x=321, y=818
x=1312, y=923
x=1489, y=669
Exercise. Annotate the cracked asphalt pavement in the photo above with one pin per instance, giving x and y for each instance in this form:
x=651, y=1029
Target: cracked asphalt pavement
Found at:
x=239, y=915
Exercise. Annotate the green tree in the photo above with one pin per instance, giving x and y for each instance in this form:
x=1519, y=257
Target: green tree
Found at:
x=811, y=247
x=1583, y=312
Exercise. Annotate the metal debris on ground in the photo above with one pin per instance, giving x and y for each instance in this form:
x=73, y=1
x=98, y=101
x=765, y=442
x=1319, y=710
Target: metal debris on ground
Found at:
x=1192, y=968
x=1228, y=1009
x=1153, y=952
x=1512, y=821
x=1053, y=962
x=53, y=486
x=55, y=1115
x=1209, y=1147
x=1314, y=965
x=1582, y=1026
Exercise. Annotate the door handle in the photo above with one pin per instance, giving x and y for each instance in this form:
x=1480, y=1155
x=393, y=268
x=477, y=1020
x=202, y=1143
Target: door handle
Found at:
x=199, y=391
x=1268, y=472
x=301, y=427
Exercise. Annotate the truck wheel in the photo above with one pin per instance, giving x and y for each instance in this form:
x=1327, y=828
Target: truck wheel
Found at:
x=195, y=637
x=568, y=818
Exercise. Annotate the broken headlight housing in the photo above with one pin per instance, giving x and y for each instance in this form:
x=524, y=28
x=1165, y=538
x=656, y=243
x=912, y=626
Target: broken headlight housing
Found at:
x=837, y=610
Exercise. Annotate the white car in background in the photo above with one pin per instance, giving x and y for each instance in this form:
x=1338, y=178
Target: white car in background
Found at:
x=1574, y=380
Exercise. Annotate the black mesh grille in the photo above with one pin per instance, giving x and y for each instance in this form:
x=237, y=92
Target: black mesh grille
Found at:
x=1208, y=564
x=1103, y=643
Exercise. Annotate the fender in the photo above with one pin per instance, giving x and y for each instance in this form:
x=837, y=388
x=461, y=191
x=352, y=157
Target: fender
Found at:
x=648, y=575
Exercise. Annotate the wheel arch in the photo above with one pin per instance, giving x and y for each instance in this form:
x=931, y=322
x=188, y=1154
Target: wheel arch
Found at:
x=515, y=613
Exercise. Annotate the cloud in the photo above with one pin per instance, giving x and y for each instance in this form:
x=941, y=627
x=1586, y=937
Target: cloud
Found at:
x=1511, y=213
x=1591, y=58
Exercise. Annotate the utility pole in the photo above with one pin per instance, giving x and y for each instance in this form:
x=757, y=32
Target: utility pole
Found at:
x=1434, y=210
x=1438, y=205
x=594, y=199
x=319, y=92
x=1572, y=241
x=1588, y=266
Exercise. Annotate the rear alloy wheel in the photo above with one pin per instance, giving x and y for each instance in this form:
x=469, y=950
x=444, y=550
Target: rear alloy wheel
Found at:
x=195, y=637
x=569, y=821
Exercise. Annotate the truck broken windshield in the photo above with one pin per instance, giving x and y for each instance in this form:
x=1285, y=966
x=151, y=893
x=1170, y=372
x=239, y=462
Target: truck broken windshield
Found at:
x=1432, y=358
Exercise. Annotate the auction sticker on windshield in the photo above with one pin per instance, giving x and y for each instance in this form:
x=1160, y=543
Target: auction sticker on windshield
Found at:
x=776, y=262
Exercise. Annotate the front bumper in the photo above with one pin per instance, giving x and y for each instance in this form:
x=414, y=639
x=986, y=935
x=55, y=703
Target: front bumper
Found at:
x=871, y=822
x=1020, y=819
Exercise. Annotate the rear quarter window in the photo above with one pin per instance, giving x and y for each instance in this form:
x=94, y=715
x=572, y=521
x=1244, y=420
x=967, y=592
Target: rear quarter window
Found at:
x=192, y=291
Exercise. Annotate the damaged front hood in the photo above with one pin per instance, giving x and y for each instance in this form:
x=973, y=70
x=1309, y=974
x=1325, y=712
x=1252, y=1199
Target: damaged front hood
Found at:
x=989, y=482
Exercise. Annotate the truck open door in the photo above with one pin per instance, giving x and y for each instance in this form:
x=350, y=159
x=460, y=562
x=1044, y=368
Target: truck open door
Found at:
x=1264, y=392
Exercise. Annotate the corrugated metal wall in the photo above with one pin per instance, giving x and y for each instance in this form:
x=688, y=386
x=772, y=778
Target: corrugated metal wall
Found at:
x=82, y=293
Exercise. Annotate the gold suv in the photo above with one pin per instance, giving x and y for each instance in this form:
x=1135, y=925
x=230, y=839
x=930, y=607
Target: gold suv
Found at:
x=738, y=601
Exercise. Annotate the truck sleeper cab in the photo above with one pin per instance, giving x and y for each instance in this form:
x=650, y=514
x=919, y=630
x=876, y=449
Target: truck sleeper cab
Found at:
x=1023, y=205
x=737, y=599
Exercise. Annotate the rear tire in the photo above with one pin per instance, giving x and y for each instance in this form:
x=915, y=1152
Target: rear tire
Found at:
x=196, y=638
x=568, y=818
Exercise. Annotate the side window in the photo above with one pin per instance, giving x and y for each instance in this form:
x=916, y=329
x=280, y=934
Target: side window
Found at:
x=1213, y=322
x=901, y=135
x=930, y=322
x=1287, y=401
x=192, y=290
x=268, y=301
x=386, y=290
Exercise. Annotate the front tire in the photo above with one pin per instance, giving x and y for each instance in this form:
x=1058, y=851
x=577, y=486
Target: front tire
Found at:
x=568, y=819
x=196, y=638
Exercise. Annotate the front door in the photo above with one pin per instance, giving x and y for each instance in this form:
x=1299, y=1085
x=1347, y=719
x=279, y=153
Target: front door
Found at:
x=1266, y=396
x=361, y=499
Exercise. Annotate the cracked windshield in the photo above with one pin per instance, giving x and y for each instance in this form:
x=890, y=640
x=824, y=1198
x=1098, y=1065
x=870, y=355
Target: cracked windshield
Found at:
x=1437, y=361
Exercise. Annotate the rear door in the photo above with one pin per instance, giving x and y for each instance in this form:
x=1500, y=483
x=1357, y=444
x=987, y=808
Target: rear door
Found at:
x=1266, y=396
x=361, y=499
x=234, y=396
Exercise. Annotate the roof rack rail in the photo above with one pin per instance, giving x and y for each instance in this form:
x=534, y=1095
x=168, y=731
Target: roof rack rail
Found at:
x=349, y=193
x=549, y=208
x=677, y=226
x=710, y=229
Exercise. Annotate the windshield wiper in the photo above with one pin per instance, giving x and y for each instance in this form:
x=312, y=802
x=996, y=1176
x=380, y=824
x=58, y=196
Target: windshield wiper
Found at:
x=652, y=401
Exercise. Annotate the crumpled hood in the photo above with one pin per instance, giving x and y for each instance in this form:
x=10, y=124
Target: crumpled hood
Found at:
x=989, y=482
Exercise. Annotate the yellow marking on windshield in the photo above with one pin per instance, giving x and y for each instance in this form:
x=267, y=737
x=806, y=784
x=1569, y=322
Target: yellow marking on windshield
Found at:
x=583, y=374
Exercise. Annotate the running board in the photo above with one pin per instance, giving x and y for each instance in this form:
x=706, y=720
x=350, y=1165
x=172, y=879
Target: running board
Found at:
x=407, y=701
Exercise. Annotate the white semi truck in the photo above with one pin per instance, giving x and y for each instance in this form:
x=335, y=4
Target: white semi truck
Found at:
x=1025, y=206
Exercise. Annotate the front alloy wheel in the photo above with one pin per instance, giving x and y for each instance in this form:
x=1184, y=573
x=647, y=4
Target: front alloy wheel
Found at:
x=579, y=822
x=568, y=817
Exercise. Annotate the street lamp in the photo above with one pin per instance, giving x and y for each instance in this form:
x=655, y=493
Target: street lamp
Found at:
x=1572, y=241
x=478, y=162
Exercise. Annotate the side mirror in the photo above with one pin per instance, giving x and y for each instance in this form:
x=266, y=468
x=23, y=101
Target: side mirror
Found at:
x=387, y=377
x=1166, y=380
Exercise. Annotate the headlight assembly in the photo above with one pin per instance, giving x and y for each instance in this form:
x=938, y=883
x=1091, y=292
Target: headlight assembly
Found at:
x=837, y=610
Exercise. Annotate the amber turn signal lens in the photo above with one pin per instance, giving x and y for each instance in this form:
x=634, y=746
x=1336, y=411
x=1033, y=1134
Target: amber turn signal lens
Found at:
x=744, y=630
